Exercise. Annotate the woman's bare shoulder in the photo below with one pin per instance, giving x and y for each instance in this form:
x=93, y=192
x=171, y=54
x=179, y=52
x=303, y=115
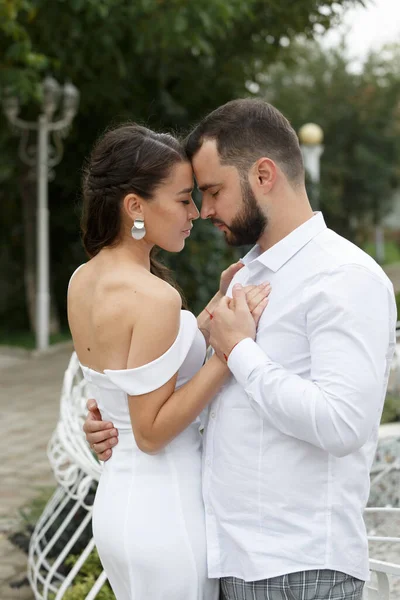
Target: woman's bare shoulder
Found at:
x=123, y=287
x=152, y=291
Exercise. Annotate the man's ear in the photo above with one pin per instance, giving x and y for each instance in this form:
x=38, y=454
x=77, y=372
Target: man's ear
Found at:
x=263, y=174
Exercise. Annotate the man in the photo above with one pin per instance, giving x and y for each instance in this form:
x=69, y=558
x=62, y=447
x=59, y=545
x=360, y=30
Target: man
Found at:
x=291, y=437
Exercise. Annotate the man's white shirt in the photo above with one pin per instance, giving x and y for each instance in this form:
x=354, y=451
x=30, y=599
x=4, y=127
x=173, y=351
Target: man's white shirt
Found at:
x=291, y=436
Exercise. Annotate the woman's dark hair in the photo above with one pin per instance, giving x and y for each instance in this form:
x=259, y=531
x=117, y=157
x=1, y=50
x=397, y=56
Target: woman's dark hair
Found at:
x=127, y=159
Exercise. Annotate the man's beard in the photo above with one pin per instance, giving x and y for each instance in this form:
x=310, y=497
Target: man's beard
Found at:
x=248, y=226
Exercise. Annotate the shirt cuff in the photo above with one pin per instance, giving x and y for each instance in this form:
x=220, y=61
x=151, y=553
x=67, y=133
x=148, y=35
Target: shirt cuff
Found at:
x=244, y=358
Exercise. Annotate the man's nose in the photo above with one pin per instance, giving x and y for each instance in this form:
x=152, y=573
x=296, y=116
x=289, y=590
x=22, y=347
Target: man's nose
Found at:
x=206, y=210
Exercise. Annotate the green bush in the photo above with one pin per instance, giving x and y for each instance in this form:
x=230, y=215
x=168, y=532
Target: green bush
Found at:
x=26, y=339
x=86, y=578
x=31, y=512
x=391, y=410
x=398, y=304
x=392, y=251
x=90, y=570
x=30, y=515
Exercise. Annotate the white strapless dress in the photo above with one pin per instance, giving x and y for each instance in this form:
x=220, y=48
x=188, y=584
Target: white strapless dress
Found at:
x=148, y=516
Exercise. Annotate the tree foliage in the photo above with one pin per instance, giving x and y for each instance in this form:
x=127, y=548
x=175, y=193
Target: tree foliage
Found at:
x=19, y=63
x=164, y=63
x=359, y=111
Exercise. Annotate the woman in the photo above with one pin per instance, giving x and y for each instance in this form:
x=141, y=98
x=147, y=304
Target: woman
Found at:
x=143, y=356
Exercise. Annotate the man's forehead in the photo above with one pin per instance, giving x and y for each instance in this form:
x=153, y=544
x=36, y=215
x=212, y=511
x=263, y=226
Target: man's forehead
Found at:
x=206, y=164
x=208, y=153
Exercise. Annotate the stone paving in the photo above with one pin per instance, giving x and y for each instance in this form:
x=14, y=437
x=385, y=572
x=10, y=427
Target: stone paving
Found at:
x=29, y=404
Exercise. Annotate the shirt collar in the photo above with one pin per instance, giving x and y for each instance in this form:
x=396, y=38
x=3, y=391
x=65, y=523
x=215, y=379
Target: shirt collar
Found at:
x=279, y=254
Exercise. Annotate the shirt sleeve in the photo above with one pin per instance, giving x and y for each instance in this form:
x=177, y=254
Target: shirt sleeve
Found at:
x=350, y=320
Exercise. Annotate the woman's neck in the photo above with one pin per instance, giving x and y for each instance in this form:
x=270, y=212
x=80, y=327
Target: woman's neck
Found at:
x=132, y=251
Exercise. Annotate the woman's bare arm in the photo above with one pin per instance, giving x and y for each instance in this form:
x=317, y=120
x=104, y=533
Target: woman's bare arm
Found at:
x=159, y=416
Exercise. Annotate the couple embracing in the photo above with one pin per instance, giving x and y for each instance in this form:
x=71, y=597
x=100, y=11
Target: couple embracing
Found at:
x=268, y=502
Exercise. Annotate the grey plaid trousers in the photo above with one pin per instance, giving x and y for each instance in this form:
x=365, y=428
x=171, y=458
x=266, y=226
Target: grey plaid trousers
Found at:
x=322, y=584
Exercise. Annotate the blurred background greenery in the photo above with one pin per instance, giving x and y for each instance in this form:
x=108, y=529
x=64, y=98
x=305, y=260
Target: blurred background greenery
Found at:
x=165, y=64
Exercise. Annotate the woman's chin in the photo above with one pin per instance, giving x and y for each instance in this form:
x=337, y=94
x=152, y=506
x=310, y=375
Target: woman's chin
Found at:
x=174, y=248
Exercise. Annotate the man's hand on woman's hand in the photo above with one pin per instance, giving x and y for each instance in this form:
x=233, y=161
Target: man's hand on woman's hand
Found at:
x=237, y=318
x=100, y=435
x=255, y=297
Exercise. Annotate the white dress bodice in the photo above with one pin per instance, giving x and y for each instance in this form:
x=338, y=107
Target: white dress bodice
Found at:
x=185, y=356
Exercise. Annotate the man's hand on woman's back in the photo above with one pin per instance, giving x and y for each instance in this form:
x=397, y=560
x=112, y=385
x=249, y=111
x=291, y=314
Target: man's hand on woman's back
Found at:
x=100, y=435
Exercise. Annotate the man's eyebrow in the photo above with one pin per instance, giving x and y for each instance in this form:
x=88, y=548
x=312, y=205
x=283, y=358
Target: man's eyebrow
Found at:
x=205, y=187
x=185, y=191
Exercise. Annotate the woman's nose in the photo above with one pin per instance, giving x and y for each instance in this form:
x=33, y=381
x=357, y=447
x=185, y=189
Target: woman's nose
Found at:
x=194, y=212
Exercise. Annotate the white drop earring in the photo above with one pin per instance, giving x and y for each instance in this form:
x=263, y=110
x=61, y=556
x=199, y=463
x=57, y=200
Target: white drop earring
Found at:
x=138, y=230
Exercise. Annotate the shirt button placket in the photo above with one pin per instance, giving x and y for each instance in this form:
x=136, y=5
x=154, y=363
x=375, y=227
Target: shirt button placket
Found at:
x=211, y=524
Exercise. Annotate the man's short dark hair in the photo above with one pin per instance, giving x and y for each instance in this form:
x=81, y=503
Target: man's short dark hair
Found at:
x=246, y=130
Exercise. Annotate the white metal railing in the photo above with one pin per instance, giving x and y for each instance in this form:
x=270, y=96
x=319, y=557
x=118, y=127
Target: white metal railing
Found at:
x=67, y=515
x=394, y=378
x=384, y=570
x=379, y=587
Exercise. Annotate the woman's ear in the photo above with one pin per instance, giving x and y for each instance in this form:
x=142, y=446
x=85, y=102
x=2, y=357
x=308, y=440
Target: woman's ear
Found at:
x=133, y=206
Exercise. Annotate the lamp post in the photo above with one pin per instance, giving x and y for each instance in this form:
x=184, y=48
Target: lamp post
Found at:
x=311, y=137
x=43, y=157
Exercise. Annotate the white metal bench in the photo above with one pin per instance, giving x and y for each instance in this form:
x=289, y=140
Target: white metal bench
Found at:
x=77, y=472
